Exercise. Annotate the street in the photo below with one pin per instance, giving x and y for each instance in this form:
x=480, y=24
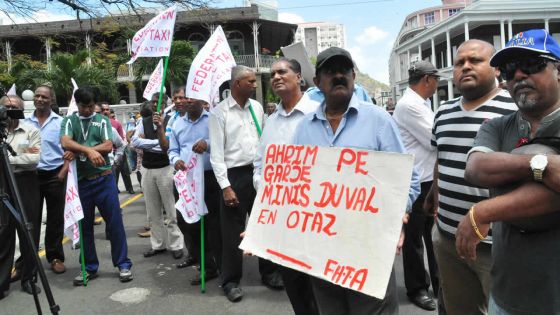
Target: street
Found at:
x=158, y=286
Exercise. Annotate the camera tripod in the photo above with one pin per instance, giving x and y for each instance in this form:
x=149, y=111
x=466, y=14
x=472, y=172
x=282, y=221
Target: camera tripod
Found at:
x=18, y=212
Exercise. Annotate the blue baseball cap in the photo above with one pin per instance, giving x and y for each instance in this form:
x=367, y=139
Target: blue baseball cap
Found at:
x=537, y=41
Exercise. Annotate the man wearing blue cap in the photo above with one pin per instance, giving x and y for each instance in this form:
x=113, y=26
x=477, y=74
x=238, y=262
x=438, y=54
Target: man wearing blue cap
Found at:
x=516, y=156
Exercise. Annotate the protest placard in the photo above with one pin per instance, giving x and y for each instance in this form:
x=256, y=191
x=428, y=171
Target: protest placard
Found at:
x=73, y=207
x=333, y=213
x=210, y=68
x=154, y=39
x=190, y=186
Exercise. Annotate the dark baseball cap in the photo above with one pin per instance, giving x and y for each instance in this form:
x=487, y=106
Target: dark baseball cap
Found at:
x=422, y=68
x=537, y=42
x=330, y=53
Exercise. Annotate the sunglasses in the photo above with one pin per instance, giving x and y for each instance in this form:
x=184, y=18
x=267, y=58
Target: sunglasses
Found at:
x=528, y=66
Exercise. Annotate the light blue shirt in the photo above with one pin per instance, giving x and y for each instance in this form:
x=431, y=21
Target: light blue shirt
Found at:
x=51, y=150
x=184, y=134
x=316, y=95
x=364, y=127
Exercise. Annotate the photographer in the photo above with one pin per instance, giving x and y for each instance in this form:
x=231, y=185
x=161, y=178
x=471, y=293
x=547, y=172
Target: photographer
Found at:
x=26, y=142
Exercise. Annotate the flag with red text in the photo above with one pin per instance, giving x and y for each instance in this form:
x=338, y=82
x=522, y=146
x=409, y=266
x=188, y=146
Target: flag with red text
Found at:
x=154, y=39
x=73, y=207
x=210, y=68
x=154, y=83
x=190, y=186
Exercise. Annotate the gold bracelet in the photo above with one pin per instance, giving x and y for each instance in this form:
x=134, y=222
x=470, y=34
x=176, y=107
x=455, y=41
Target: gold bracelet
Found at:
x=473, y=223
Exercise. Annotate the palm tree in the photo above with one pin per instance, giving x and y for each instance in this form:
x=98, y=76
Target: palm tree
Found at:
x=64, y=66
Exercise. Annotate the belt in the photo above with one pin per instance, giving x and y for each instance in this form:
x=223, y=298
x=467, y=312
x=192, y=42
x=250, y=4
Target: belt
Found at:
x=96, y=176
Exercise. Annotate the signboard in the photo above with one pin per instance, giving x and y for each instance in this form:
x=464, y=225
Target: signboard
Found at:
x=333, y=213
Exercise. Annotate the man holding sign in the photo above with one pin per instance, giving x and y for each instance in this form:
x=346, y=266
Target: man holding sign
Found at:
x=344, y=121
x=234, y=138
x=190, y=134
x=89, y=135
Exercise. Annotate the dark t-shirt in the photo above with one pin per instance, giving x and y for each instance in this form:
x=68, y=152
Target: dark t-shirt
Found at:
x=526, y=263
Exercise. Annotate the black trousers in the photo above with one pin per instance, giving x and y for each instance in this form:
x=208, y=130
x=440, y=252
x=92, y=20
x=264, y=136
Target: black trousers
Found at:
x=212, y=233
x=124, y=171
x=52, y=191
x=336, y=300
x=29, y=191
x=233, y=223
x=300, y=293
x=418, y=232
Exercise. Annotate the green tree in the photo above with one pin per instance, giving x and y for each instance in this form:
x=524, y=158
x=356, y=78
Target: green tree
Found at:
x=180, y=60
x=20, y=64
x=65, y=66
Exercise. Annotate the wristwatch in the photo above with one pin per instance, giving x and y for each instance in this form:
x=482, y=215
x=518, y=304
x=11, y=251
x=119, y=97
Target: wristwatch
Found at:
x=538, y=165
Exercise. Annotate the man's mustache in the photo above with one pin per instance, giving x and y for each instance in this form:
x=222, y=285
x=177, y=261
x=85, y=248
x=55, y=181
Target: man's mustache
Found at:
x=521, y=85
x=339, y=81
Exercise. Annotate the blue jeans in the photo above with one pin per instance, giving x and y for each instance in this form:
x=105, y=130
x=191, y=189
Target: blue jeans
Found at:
x=102, y=192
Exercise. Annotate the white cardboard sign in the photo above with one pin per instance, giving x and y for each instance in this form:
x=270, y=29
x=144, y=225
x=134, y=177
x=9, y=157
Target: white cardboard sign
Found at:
x=333, y=213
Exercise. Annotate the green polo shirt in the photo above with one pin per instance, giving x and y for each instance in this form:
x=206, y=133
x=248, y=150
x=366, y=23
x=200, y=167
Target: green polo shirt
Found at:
x=88, y=132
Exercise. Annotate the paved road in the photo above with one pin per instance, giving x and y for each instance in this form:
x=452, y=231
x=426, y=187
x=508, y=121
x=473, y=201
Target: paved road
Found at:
x=158, y=286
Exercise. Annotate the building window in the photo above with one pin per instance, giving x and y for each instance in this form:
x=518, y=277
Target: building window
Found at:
x=236, y=42
x=413, y=22
x=452, y=12
x=429, y=18
x=197, y=40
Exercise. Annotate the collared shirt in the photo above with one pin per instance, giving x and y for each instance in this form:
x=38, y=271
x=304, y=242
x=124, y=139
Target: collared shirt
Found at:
x=362, y=126
x=415, y=120
x=184, y=134
x=119, y=144
x=280, y=128
x=118, y=126
x=151, y=145
x=51, y=150
x=23, y=137
x=233, y=136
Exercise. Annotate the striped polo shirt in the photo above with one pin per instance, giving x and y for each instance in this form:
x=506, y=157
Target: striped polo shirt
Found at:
x=453, y=135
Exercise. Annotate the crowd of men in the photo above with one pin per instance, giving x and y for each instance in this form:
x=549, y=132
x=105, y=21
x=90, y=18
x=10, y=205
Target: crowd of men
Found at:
x=486, y=174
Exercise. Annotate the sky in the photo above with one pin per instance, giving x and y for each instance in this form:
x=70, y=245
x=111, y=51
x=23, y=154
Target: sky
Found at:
x=371, y=25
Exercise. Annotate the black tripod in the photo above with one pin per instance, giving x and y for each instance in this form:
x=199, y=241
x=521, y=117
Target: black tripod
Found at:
x=8, y=178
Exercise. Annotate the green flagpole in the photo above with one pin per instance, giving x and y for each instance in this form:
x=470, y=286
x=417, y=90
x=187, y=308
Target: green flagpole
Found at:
x=202, y=258
x=165, y=64
x=84, y=273
x=259, y=130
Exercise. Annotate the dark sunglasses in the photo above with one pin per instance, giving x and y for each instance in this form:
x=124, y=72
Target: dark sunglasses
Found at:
x=528, y=66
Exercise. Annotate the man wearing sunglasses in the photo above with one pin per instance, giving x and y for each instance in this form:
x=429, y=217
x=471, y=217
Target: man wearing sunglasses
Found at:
x=524, y=182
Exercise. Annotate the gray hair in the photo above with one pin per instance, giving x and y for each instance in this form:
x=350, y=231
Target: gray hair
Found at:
x=238, y=72
x=17, y=99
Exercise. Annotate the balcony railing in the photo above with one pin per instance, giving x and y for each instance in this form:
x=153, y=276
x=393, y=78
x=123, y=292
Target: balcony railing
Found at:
x=265, y=62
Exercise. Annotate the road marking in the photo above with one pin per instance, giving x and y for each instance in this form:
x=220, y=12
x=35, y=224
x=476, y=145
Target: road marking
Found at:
x=130, y=200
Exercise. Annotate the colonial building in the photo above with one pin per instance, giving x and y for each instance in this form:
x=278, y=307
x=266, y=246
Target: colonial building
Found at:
x=434, y=34
x=319, y=36
x=252, y=35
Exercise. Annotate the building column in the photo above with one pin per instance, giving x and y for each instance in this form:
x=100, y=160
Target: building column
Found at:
x=259, y=93
x=502, y=34
x=419, y=52
x=130, y=66
x=408, y=59
x=436, y=101
x=510, y=30
x=546, y=26
x=433, y=52
x=448, y=39
x=450, y=94
x=88, y=48
x=8, y=54
x=256, y=47
x=467, y=35
x=132, y=93
x=48, y=50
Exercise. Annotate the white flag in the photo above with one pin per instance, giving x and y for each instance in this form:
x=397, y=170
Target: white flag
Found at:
x=72, y=107
x=210, y=68
x=73, y=207
x=12, y=90
x=154, y=39
x=190, y=185
x=154, y=84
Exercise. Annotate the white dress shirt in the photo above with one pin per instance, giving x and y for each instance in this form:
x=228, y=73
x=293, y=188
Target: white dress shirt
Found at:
x=280, y=128
x=415, y=120
x=141, y=143
x=233, y=136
